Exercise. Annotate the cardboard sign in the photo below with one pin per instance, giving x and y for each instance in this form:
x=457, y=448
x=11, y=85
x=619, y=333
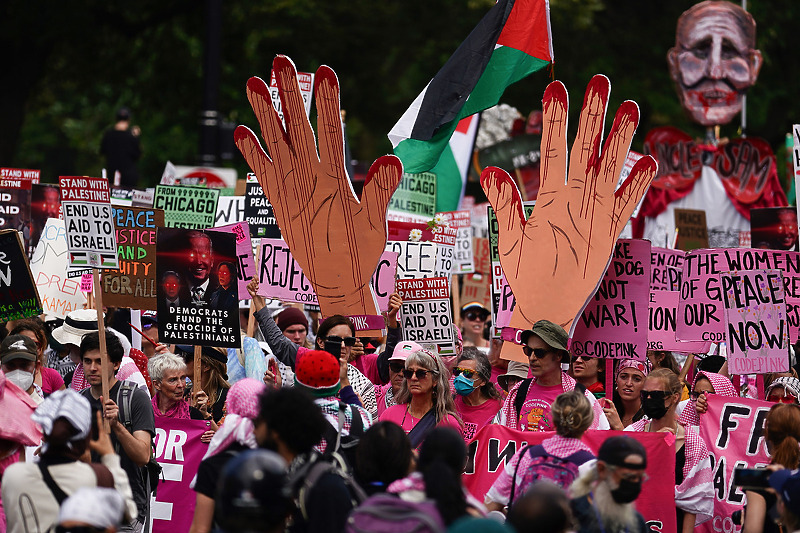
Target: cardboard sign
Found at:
x=755, y=320
x=18, y=295
x=133, y=284
x=463, y=262
x=692, y=229
x=15, y=198
x=45, y=203
x=700, y=310
x=477, y=288
x=662, y=320
x=732, y=429
x=613, y=323
x=179, y=452
x=665, y=269
x=258, y=212
x=230, y=210
x=89, y=222
x=60, y=294
x=305, y=81
x=416, y=194
x=482, y=255
x=198, y=300
x=245, y=262
x=281, y=277
x=426, y=313
x=495, y=445
x=187, y=207
x=774, y=228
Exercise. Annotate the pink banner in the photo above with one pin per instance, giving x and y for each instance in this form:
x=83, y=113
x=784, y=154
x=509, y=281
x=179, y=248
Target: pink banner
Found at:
x=613, y=324
x=245, y=264
x=700, y=313
x=665, y=269
x=495, y=445
x=661, y=323
x=179, y=452
x=732, y=431
x=755, y=318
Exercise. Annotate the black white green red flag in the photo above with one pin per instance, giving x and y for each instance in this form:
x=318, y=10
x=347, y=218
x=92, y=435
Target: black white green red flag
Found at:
x=511, y=41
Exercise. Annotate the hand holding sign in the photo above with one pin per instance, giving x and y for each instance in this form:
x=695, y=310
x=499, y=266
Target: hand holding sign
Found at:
x=553, y=261
x=336, y=239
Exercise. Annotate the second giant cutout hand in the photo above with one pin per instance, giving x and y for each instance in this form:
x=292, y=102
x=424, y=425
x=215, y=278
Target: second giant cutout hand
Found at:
x=554, y=260
x=336, y=239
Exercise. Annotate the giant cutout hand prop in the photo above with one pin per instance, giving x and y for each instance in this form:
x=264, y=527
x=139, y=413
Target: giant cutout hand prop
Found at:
x=554, y=260
x=336, y=239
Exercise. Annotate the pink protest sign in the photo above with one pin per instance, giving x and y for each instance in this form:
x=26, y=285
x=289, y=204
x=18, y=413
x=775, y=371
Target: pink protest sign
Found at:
x=614, y=322
x=495, y=445
x=245, y=263
x=179, y=452
x=732, y=430
x=700, y=313
x=665, y=269
x=661, y=322
x=281, y=277
x=86, y=282
x=755, y=318
x=505, y=307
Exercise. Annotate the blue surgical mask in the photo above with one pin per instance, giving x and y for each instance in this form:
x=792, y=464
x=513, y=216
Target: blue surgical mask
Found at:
x=464, y=386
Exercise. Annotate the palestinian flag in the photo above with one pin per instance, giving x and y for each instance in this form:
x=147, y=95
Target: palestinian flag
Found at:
x=510, y=42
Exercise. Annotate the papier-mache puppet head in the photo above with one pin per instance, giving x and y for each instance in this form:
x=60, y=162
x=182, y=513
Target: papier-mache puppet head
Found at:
x=714, y=60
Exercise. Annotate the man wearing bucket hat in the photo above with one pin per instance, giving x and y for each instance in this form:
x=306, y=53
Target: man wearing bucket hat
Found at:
x=527, y=406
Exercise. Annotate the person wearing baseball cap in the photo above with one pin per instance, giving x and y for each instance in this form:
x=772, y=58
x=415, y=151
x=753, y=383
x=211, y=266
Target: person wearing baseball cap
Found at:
x=603, y=495
x=527, y=406
x=18, y=355
x=385, y=394
x=786, y=483
x=473, y=322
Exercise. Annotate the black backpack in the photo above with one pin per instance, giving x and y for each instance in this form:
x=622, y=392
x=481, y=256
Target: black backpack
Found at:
x=152, y=471
x=342, y=448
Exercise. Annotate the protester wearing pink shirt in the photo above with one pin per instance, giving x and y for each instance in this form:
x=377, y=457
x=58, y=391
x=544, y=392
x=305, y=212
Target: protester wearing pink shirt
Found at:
x=477, y=400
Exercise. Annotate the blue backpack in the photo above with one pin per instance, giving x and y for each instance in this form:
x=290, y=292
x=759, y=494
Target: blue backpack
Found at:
x=561, y=471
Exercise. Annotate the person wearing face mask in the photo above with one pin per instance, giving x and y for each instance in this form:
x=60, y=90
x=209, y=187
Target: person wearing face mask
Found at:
x=477, y=400
x=694, y=491
x=603, y=496
x=18, y=355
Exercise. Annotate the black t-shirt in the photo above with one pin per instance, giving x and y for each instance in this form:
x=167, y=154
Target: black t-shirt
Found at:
x=121, y=149
x=142, y=419
x=328, y=504
x=210, y=469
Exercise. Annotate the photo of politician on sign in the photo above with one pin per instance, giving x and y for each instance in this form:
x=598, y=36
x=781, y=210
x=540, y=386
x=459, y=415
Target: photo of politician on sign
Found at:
x=197, y=281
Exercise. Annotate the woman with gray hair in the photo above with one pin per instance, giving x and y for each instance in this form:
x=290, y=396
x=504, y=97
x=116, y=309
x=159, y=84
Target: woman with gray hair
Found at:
x=168, y=372
x=424, y=400
x=477, y=400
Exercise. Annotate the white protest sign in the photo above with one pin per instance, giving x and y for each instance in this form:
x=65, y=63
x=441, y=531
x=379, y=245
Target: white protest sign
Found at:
x=426, y=313
x=463, y=260
x=230, y=210
x=306, y=81
x=89, y=220
x=60, y=295
x=631, y=160
x=415, y=259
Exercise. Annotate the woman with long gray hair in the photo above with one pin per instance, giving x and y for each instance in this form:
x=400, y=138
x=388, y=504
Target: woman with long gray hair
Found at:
x=424, y=400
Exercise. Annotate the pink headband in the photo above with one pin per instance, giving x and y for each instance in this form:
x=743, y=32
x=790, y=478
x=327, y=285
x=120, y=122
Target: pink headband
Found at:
x=642, y=366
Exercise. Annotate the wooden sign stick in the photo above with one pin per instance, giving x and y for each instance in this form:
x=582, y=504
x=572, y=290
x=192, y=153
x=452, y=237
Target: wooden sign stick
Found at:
x=197, y=380
x=455, y=290
x=251, y=319
x=101, y=327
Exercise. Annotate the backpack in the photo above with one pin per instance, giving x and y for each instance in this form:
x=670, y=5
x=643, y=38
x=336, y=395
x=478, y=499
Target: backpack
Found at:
x=561, y=471
x=312, y=472
x=342, y=448
x=386, y=513
x=152, y=469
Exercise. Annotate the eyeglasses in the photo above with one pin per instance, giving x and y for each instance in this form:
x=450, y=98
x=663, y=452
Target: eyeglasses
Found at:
x=789, y=399
x=539, y=353
x=476, y=315
x=655, y=394
x=396, y=367
x=348, y=341
x=695, y=394
x=470, y=374
x=420, y=373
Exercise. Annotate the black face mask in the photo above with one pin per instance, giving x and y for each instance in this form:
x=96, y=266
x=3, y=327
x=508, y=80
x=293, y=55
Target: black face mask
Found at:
x=627, y=491
x=654, y=408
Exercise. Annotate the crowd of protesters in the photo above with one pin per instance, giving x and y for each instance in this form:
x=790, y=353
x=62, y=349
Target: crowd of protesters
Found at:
x=344, y=433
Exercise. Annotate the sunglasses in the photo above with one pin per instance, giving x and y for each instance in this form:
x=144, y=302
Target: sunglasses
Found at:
x=475, y=315
x=789, y=399
x=348, y=341
x=396, y=367
x=420, y=373
x=655, y=394
x=581, y=357
x=538, y=352
x=694, y=395
x=470, y=374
